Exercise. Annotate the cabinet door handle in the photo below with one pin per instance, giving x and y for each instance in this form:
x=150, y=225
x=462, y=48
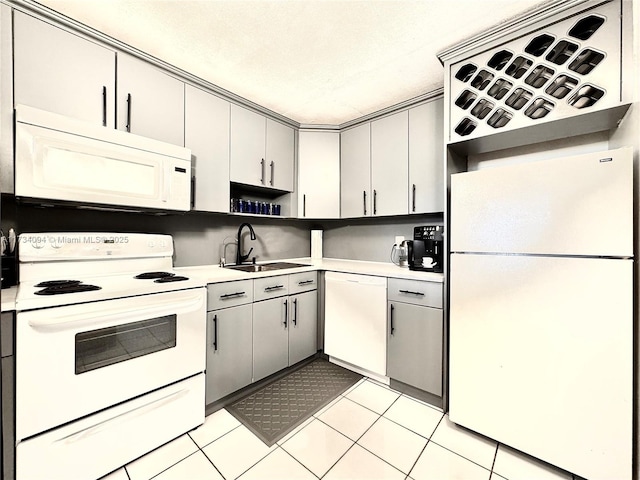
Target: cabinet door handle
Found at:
x=262, y=171
x=272, y=166
x=413, y=201
x=391, y=316
x=295, y=311
x=104, y=106
x=272, y=288
x=305, y=282
x=286, y=313
x=304, y=205
x=227, y=296
x=128, y=126
x=408, y=292
x=364, y=201
x=215, y=333
x=375, y=202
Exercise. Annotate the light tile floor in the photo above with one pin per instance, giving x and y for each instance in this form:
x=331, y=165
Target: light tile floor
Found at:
x=369, y=432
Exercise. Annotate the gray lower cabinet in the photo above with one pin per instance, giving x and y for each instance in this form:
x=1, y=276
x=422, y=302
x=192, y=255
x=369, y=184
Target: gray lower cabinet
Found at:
x=270, y=337
x=229, y=353
x=7, y=401
x=415, y=333
x=414, y=348
x=303, y=326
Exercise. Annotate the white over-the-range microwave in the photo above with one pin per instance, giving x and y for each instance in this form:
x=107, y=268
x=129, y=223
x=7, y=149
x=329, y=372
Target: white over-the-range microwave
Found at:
x=62, y=159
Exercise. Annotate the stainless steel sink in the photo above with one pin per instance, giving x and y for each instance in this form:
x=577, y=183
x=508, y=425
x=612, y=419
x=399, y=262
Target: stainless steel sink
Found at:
x=265, y=267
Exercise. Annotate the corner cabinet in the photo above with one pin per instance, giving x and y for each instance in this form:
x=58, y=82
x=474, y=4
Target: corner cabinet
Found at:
x=206, y=134
x=150, y=102
x=262, y=151
x=319, y=174
x=63, y=73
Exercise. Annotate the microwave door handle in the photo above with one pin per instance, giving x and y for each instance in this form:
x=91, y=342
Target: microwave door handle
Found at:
x=66, y=320
x=166, y=181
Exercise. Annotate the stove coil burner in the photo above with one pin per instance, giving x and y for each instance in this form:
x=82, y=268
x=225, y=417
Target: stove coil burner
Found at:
x=172, y=278
x=60, y=287
x=152, y=275
x=58, y=283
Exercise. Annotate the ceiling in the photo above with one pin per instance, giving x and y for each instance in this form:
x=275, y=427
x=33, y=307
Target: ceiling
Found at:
x=313, y=61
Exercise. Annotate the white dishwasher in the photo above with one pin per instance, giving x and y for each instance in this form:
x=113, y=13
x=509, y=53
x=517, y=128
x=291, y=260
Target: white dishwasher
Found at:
x=356, y=320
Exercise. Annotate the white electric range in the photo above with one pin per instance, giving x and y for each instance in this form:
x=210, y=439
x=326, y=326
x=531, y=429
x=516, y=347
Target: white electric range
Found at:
x=110, y=352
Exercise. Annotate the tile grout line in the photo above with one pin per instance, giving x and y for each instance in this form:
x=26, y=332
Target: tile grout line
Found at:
x=425, y=446
x=173, y=465
x=204, y=453
x=370, y=427
x=304, y=466
x=493, y=464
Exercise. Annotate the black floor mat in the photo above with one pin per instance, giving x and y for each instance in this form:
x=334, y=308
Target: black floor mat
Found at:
x=279, y=407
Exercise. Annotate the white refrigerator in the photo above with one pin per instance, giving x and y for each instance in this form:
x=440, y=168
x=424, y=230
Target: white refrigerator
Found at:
x=541, y=309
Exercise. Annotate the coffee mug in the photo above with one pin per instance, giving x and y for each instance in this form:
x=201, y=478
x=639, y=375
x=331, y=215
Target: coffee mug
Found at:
x=427, y=261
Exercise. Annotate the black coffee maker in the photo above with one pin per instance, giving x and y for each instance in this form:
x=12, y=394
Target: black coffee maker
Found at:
x=427, y=243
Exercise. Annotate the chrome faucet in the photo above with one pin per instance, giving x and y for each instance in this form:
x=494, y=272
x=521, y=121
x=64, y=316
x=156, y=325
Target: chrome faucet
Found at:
x=239, y=256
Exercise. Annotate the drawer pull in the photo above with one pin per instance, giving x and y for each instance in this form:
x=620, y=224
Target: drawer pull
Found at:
x=305, y=282
x=409, y=292
x=227, y=296
x=275, y=287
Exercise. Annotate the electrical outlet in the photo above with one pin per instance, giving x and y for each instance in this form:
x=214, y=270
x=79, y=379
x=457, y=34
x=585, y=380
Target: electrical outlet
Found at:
x=399, y=239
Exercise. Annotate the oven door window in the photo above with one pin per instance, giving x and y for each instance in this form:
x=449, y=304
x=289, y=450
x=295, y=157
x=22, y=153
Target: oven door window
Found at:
x=107, y=346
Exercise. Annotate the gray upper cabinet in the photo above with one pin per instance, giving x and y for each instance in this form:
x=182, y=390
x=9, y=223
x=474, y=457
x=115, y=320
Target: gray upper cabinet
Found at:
x=262, y=150
x=389, y=164
x=206, y=133
x=63, y=73
x=248, y=135
x=426, y=158
x=150, y=102
x=355, y=172
x=279, y=155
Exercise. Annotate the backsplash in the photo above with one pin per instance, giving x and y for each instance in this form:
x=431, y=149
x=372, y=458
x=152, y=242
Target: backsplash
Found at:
x=199, y=238
x=202, y=238
x=369, y=239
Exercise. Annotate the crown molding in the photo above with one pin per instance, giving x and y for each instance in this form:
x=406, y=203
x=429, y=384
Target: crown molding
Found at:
x=412, y=102
x=515, y=26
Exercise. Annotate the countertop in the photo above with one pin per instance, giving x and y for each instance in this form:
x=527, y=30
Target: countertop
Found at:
x=8, y=297
x=216, y=274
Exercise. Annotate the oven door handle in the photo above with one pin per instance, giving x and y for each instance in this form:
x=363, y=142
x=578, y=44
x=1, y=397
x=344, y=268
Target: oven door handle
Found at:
x=84, y=316
x=122, y=417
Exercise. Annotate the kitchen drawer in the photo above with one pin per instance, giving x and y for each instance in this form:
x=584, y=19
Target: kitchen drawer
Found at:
x=303, y=282
x=416, y=292
x=229, y=294
x=270, y=287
